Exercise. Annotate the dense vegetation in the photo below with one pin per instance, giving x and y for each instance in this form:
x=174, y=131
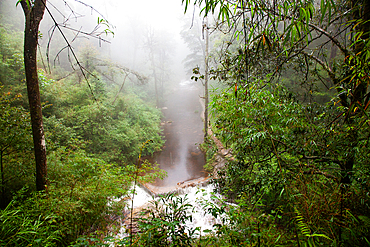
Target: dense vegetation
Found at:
x=292, y=108
x=295, y=116
x=94, y=135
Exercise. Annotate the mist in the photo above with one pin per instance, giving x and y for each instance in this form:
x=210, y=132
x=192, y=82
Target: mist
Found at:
x=134, y=47
x=132, y=23
x=145, y=38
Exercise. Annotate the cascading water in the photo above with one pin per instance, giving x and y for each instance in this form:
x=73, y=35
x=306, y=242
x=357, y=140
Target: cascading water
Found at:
x=181, y=158
x=198, y=196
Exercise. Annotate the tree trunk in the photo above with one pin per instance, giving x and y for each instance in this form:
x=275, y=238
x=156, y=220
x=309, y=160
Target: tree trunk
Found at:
x=2, y=180
x=155, y=78
x=33, y=16
x=206, y=79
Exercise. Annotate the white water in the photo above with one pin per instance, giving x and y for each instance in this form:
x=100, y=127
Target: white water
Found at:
x=140, y=198
x=197, y=196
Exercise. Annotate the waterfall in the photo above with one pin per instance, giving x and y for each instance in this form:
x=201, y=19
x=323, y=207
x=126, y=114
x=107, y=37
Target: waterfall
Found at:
x=197, y=194
x=183, y=161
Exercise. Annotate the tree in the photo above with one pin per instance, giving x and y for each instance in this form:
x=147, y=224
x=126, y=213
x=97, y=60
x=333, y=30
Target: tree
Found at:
x=192, y=36
x=34, y=12
x=159, y=46
x=298, y=31
x=199, y=57
x=283, y=143
x=150, y=44
x=206, y=59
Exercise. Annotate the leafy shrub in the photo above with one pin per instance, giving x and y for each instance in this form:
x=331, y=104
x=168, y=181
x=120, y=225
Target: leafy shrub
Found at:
x=114, y=132
x=15, y=146
x=18, y=227
x=164, y=224
x=79, y=201
x=289, y=158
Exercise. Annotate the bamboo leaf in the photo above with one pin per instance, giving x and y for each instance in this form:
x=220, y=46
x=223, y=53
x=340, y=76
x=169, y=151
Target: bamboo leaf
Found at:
x=323, y=10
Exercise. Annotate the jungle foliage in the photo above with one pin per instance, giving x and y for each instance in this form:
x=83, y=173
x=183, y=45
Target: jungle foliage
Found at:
x=94, y=134
x=295, y=117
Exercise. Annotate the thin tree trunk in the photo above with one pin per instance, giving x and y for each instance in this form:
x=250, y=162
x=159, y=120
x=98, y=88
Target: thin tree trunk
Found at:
x=155, y=78
x=33, y=16
x=2, y=179
x=206, y=80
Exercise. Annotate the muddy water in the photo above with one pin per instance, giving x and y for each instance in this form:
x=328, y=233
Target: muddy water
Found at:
x=183, y=132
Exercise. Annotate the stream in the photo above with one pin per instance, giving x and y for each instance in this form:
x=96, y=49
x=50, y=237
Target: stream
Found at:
x=182, y=126
x=181, y=157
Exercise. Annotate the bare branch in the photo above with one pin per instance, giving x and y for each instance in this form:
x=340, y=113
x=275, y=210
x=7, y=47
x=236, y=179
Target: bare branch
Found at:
x=91, y=34
x=327, y=175
x=91, y=7
x=73, y=53
x=332, y=38
x=332, y=76
x=123, y=83
x=323, y=64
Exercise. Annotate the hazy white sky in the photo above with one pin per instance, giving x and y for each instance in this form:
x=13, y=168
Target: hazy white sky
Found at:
x=133, y=18
x=160, y=14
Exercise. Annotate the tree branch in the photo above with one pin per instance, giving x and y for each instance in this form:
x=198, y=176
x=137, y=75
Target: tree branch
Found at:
x=332, y=76
x=321, y=173
x=26, y=8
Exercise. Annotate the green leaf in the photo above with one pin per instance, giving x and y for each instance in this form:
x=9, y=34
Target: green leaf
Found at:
x=186, y=4
x=323, y=7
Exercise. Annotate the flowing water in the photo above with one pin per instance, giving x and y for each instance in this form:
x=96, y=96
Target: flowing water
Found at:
x=181, y=157
x=198, y=196
x=183, y=131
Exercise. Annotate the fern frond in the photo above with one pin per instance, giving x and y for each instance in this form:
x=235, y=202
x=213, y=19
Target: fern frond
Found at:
x=305, y=230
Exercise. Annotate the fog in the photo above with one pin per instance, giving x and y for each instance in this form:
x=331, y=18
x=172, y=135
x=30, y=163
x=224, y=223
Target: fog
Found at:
x=142, y=28
x=144, y=37
x=134, y=24
x=135, y=20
